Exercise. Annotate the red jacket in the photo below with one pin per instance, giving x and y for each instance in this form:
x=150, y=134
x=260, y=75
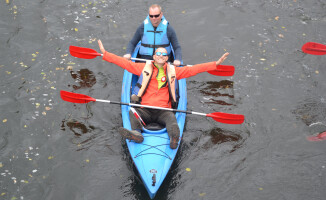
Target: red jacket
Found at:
x=154, y=96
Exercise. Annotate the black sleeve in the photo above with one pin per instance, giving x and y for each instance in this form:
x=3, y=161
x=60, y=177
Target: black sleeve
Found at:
x=172, y=36
x=136, y=38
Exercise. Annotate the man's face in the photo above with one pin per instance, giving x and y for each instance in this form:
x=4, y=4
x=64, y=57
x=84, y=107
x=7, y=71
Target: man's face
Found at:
x=160, y=59
x=155, y=15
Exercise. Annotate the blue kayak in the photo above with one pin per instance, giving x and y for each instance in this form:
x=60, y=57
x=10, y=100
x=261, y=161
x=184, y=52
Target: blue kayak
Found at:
x=153, y=157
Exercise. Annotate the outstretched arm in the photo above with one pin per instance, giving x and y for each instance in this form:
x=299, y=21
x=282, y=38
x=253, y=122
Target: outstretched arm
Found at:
x=134, y=68
x=188, y=71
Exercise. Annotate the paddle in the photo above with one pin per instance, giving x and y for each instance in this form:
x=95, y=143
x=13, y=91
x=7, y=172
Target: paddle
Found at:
x=87, y=53
x=217, y=116
x=314, y=48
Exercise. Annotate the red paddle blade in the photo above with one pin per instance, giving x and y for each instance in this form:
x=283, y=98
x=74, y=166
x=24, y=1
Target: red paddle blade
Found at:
x=75, y=98
x=314, y=48
x=81, y=52
x=227, y=118
x=319, y=137
x=223, y=70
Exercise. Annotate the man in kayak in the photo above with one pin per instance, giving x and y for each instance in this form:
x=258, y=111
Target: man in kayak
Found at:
x=156, y=89
x=154, y=32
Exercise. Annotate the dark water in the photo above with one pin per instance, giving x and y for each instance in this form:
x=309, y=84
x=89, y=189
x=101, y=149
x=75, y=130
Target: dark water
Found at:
x=51, y=149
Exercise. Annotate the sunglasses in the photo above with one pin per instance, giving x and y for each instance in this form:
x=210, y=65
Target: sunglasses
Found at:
x=156, y=16
x=160, y=53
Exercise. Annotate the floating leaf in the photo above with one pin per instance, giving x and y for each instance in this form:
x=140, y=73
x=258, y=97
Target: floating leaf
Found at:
x=44, y=113
x=7, y=1
x=4, y=121
x=8, y=72
x=84, y=11
x=262, y=59
x=277, y=18
x=260, y=189
x=87, y=160
x=273, y=65
x=2, y=194
x=183, y=12
x=188, y=169
x=317, y=72
x=48, y=108
x=202, y=194
x=76, y=29
x=281, y=35
x=50, y=157
x=1, y=165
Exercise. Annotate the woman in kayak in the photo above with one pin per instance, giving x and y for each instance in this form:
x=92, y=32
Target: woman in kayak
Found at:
x=156, y=88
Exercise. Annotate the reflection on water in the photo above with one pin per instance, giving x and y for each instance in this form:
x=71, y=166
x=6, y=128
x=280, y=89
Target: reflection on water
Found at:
x=84, y=77
x=220, y=92
x=83, y=139
x=311, y=111
x=219, y=136
x=78, y=128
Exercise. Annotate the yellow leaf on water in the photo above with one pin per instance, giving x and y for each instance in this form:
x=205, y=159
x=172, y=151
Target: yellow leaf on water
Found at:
x=188, y=169
x=87, y=160
x=277, y=18
x=76, y=29
x=1, y=165
x=281, y=35
x=8, y=72
x=2, y=194
x=48, y=108
x=317, y=72
x=202, y=194
x=7, y=1
x=260, y=189
x=84, y=11
x=44, y=113
x=50, y=157
x=4, y=121
x=183, y=12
